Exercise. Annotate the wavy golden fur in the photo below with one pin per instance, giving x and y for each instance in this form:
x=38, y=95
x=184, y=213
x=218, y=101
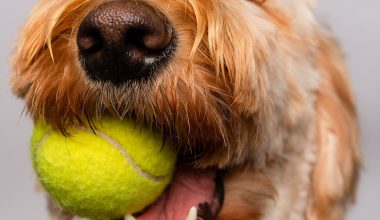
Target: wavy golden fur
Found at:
x=257, y=88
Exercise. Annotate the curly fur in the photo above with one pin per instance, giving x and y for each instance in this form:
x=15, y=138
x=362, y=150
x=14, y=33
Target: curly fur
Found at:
x=257, y=88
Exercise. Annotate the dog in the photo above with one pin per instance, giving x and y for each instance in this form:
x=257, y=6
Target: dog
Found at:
x=253, y=93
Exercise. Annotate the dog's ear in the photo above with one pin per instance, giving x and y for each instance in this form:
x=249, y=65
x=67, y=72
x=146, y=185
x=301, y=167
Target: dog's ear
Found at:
x=336, y=171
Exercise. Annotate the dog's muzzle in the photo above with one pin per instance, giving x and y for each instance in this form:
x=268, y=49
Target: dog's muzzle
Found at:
x=124, y=40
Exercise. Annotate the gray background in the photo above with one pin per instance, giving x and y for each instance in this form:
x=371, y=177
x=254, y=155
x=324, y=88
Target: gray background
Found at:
x=357, y=25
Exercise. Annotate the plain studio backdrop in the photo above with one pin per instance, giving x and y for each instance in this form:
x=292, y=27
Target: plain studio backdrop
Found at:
x=355, y=23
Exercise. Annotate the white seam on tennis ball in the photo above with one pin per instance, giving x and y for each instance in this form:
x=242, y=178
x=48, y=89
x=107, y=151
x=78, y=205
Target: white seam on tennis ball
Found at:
x=118, y=147
x=129, y=159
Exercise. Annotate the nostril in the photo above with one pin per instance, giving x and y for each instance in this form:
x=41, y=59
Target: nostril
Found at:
x=158, y=41
x=147, y=41
x=90, y=43
x=135, y=39
x=124, y=40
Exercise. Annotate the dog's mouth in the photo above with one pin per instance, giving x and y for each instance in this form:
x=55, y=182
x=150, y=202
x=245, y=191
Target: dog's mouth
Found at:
x=192, y=195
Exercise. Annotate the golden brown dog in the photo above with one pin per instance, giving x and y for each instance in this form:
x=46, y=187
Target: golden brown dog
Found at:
x=253, y=93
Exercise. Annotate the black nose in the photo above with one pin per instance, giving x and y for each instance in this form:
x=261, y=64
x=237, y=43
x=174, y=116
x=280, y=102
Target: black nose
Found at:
x=124, y=40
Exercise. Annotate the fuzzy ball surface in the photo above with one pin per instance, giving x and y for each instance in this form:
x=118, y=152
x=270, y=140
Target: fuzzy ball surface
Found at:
x=114, y=169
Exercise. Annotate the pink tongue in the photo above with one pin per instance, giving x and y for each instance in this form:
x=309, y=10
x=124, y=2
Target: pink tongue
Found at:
x=189, y=188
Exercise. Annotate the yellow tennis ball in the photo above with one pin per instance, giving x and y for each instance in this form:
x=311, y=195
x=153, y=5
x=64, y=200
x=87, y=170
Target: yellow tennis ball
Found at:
x=120, y=169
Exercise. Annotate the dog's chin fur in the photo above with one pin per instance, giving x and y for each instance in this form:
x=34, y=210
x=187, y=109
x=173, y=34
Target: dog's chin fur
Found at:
x=256, y=88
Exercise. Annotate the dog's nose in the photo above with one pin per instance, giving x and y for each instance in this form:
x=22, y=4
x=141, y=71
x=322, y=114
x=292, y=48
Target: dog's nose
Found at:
x=124, y=40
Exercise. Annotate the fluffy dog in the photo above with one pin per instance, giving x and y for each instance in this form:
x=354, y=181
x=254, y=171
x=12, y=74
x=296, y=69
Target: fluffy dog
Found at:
x=254, y=95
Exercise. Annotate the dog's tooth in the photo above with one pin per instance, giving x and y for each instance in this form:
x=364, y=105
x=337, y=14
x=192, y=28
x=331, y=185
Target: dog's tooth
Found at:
x=129, y=217
x=192, y=214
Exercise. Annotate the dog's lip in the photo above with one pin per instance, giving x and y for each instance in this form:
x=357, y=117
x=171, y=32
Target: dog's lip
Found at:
x=193, y=194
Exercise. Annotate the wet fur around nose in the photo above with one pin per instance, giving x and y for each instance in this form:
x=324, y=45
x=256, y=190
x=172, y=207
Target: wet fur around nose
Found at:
x=256, y=89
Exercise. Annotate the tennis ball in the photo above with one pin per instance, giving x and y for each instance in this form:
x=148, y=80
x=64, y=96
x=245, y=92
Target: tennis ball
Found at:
x=115, y=169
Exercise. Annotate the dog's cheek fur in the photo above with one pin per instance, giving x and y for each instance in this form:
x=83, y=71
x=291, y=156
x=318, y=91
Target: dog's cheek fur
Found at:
x=46, y=69
x=224, y=76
